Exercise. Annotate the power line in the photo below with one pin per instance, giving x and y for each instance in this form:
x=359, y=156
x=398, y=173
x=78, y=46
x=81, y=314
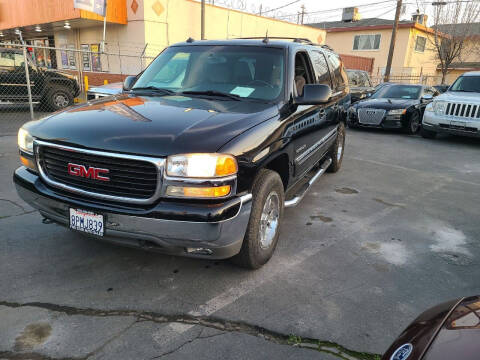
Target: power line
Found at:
x=281, y=7
x=339, y=9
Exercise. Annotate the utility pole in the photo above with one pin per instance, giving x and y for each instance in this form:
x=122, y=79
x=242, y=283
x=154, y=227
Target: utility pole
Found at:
x=392, y=41
x=203, y=20
x=303, y=13
x=260, y=13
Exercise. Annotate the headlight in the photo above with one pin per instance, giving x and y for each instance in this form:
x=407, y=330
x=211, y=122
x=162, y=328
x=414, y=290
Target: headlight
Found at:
x=201, y=165
x=429, y=107
x=397, y=112
x=351, y=109
x=25, y=141
x=439, y=107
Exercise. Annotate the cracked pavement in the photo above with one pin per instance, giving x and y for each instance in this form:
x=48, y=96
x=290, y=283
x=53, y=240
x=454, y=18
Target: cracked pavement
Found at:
x=369, y=248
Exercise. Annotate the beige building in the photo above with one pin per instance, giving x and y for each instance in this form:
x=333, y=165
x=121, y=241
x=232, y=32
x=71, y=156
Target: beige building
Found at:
x=137, y=30
x=413, y=55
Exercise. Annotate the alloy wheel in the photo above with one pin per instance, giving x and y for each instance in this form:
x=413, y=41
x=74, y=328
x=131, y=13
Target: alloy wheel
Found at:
x=269, y=220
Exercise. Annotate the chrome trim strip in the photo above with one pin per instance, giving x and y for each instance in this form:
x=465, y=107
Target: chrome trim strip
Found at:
x=296, y=200
x=246, y=198
x=310, y=151
x=191, y=180
x=159, y=163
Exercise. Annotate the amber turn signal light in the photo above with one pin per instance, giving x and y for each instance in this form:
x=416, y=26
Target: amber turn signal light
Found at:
x=28, y=163
x=199, y=192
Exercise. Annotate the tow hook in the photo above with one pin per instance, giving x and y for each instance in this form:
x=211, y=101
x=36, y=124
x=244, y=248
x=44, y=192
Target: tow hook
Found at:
x=47, y=221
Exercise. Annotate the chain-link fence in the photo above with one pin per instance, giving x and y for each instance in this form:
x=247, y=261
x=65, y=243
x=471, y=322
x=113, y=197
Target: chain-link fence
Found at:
x=36, y=80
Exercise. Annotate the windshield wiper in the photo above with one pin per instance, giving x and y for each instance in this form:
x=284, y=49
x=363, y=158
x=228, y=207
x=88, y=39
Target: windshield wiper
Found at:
x=212, y=93
x=464, y=90
x=155, y=89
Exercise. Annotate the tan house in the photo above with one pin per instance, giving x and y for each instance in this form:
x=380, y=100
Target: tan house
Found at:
x=469, y=59
x=413, y=56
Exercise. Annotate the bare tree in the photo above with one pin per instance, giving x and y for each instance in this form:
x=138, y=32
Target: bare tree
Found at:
x=454, y=31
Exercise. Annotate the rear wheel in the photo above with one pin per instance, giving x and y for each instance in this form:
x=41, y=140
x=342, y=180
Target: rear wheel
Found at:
x=57, y=98
x=414, y=123
x=262, y=233
x=428, y=134
x=337, y=150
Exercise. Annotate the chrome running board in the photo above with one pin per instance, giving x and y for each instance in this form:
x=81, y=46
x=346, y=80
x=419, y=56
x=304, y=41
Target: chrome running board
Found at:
x=294, y=202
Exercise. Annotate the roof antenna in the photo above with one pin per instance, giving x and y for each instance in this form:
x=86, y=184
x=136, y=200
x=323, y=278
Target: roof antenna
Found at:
x=265, y=41
x=190, y=40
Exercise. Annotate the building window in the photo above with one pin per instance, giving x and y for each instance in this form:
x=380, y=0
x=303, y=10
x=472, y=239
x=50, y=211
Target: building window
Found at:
x=420, y=44
x=366, y=42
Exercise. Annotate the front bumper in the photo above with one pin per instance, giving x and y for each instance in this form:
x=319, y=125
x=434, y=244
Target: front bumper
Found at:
x=213, y=231
x=388, y=122
x=450, y=124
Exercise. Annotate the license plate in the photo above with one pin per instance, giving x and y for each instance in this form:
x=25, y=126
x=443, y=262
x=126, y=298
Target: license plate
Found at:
x=86, y=221
x=458, y=124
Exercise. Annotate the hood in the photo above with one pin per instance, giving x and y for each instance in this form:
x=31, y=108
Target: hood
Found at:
x=152, y=125
x=457, y=96
x=387, y=104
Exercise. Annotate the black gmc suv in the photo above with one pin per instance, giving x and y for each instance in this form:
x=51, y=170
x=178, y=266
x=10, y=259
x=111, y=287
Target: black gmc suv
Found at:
x=197, y=159
x=54, y=90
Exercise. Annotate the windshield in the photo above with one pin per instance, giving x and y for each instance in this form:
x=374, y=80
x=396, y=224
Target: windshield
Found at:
x=243, y=71
x=398, y=92
x=467, y=84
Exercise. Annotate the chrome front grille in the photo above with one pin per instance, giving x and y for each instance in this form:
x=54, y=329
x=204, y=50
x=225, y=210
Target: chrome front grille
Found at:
x=463, y=110
x=132, y=179
x=369, y=116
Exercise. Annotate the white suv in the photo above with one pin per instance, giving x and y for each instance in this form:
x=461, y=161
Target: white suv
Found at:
x=456, y=111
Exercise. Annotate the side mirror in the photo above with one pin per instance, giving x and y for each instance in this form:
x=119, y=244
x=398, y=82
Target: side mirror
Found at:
x=129, y=82
x=314, y=94
x=426, y=98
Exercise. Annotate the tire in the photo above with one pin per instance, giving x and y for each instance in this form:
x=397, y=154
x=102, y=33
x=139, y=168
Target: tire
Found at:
x=337, y=150
x=257, y=249
x=57, y=98
x=428, y=134
x=414, y=123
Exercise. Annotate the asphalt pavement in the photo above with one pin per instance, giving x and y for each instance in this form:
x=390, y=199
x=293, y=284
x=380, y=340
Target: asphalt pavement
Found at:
x=393, y=233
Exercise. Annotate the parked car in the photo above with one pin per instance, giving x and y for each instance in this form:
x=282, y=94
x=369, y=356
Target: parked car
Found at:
x=360, y=85
x=201, y=168
x=441, y=88
x=456, y=111
x=96, y=92
x=54, y=90
x=393, y=107
x=447, y=331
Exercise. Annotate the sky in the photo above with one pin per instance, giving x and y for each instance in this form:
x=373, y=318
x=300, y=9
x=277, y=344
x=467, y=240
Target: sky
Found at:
x=324, y=10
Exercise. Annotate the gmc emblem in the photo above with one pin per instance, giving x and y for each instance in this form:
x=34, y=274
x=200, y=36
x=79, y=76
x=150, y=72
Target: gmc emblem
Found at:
x=90, y=173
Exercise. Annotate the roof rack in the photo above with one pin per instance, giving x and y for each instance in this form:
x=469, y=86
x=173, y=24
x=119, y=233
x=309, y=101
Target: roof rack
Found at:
x=266, y=38
x=325, y=46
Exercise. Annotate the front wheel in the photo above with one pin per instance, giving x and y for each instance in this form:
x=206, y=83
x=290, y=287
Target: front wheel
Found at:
x=414, y=123
x=262, y=233
x=337, y=150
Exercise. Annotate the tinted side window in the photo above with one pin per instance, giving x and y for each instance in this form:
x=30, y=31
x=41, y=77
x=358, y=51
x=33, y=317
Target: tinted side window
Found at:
x=322, y=74
x=336, y=66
